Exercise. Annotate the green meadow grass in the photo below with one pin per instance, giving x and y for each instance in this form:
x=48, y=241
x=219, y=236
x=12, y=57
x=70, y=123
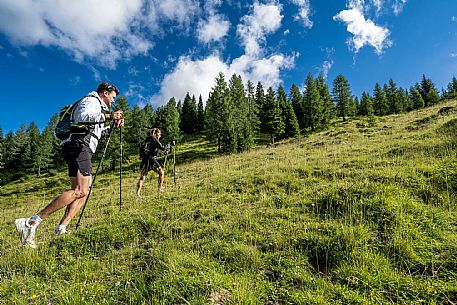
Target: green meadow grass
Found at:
x=363, y=213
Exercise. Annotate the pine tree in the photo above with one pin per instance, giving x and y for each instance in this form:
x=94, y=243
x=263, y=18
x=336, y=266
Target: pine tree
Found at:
x=342, y=96
x=380, y=104
x=274, y=124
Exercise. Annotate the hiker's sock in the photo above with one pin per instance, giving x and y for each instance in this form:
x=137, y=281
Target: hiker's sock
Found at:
x=34, y=221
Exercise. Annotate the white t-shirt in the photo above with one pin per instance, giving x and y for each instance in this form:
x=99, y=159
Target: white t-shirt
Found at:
x=91, y=109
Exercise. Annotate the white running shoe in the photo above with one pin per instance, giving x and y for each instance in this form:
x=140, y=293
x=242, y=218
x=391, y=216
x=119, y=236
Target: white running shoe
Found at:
x=27, y=232
x=59, y=231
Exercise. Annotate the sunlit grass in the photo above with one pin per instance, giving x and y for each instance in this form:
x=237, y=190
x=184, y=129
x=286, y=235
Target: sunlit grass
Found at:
x=356, y=214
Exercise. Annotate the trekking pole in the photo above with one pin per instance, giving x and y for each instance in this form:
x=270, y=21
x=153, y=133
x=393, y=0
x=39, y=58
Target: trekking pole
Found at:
x=120, y=170
x=95, y=176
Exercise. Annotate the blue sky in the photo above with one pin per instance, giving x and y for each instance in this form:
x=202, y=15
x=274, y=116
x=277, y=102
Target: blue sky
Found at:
x=52, y=52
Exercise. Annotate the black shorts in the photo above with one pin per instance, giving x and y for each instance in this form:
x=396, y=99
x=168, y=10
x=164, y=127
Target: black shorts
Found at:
x=78, y=157
x=149, y=164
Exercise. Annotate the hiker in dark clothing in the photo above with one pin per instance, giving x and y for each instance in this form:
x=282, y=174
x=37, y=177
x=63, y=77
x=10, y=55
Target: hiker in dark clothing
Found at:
x=149, y=153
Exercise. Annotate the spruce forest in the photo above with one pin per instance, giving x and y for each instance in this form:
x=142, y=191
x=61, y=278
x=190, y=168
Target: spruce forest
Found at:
x=236, y=118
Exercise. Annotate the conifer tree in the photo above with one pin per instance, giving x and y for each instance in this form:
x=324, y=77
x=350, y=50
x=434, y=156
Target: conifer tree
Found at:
x=416, y=97
x=313, y=105
x=404, y=100
x=32, y=153
x=428, y=92
x=380, y=104
x=260, y=100
x=328, y=107
x=172, y=119
x=47, y=140
x=243, y=130
x=282, y=101
x=273, y=123
x=355, y=104
x=200, y=115
x=451, y=92
x=297, y=103
x=366, y=105
x=216, y=112
x=137, y=128
x=188, y=115
x=253, y=107
x=9, y=171
x=393, y=98
x=18, y=152
x=341, y=94
x=291, y=128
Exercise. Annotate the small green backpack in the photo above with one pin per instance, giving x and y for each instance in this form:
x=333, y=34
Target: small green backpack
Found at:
x=66, y=126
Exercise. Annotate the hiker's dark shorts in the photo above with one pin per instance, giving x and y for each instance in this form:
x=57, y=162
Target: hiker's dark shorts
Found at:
x=78, y=157
x=152, y=163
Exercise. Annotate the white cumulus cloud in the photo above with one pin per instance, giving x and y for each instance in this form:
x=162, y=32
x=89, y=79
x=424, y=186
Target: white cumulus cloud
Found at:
x=101, y=31
x=265, y=19
x=365, y=32
x=197, y=76
x=214, y=29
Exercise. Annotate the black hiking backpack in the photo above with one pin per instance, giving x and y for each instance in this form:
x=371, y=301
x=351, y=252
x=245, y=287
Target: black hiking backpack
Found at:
x=66, y=126
x=144, y=149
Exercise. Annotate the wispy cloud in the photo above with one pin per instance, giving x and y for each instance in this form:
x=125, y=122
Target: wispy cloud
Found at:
x=365, y=31
x=398, y=6
x=74, y=81
x=453, y=54
x=304, y=12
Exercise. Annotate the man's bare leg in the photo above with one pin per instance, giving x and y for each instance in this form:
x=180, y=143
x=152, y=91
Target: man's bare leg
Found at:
x=67, y=197
x=73, y=208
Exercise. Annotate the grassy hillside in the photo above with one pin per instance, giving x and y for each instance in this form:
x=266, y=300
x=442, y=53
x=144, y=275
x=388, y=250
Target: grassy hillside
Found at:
x=358, y=214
